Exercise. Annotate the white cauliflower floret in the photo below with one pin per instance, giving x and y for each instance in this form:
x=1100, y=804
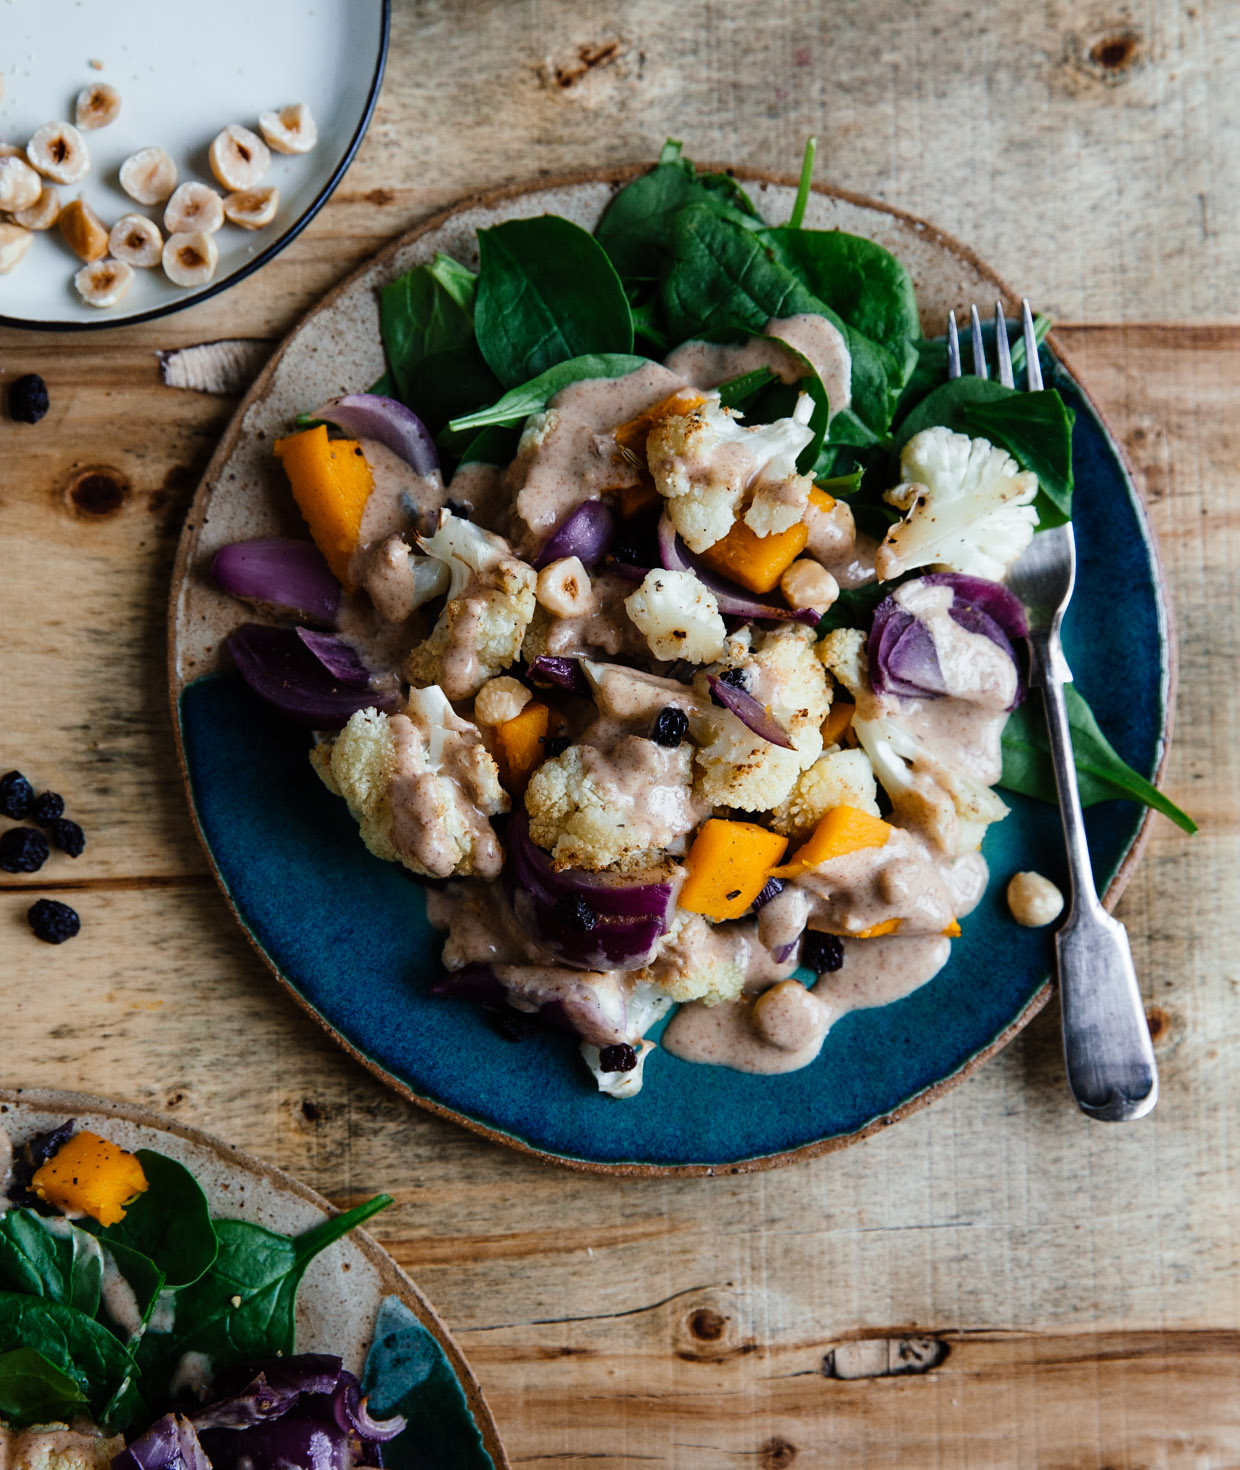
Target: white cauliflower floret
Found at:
x=678, y=617
x=704, y=463
x=968, y=508
x=837, y=778
x=698, y=960
x=646, y=1005
x=737, y=768
x=421, y=786
x=54, y=1446
x=843, y=653
x=490, y=604
x=627, y=806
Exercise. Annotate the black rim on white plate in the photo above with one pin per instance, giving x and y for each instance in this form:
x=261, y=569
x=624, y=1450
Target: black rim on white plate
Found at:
x=320, y=199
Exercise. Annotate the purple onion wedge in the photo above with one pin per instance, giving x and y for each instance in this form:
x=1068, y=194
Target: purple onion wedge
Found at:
x=371, y=416
x=992, y=598
x=281, y=575
x=287, y=675
x=559, y=673
x=339, y=658
x=750, y=712
x=585, y=533
x=733, y=601
x=171, y=1443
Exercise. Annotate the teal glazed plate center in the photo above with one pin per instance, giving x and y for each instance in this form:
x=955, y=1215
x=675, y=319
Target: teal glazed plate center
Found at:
x=348, y=934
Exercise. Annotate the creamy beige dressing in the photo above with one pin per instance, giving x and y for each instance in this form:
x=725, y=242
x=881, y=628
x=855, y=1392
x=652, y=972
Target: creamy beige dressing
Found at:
x=192, y=1377
x=818, y=341
x=401, y=499
x=482, y=928
x=481, y=492
x=822, y=344
x=418, y=829
x=874, y=885
x=606, y=628
x=58, y=1447
x=119, y=1297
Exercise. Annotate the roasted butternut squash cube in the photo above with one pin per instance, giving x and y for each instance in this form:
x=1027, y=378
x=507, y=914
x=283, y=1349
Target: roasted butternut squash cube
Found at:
x=840, y=831
x=519, y=745
x=728, y=865
x=88, y=1175
x=756, y=562
x=331, y=484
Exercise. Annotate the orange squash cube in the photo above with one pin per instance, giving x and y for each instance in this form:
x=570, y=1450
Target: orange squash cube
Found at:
x=838, y=721
x=519, y=745
x=331, y=484
x=820, y=500
x=88, y=1175
x=756, y=562
x=876, y=931
x=840, y=831
x=728, y=865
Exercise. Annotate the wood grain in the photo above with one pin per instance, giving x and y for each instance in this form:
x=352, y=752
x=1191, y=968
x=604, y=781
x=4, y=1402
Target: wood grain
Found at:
x=1082, y=1278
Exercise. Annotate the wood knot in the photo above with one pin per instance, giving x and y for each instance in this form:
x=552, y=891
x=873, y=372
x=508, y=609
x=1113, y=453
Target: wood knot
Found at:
x=776, y=1454
x=707, y=1325
x=96, y=492
x=590, y=57
x=1166, y=1028
x=708, y=1332
x=311, y=1111
x=1111, y=55
x=1115, y=52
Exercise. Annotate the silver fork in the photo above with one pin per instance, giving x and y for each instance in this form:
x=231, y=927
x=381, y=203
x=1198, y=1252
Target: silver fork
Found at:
x=1106, y=1039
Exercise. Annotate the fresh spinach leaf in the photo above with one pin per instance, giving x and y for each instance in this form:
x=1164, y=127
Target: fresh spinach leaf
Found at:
x=804, y=183
x=79, y=1347
x=854, y=607
x=496, y=445
x=242, y=1308
x=145, y=1280
x=533, y=397
x=636, y=226
x=841, y=485
x=170, y=1223
x=1034, y=428
x=546, y=293
x=865, y=285
x=55, y=1260
x=1101, y=774
x=448, y=383
x=738, y=391
x=34, y=1391
x=722, y=275
x=429, y=309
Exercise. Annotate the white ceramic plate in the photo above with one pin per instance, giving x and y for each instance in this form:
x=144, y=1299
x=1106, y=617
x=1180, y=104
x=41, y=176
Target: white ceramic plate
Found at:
x=343, y=1287
x=183, y=73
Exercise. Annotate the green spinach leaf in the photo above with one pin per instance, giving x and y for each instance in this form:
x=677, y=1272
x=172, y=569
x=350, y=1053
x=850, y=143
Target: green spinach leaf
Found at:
x=722, y=275
x=34, y=1391
x=80, y=1348
x=738, y=391
x=56, y=1260
x=170, y=1223
x=804, y=183
x=532, y=397
x=145, y=1280
x=854, y=607
x=865, y=285
x=546, y=293
x=1101, y=773
x=429, y=309
x=636, y=226
x=242, y=1308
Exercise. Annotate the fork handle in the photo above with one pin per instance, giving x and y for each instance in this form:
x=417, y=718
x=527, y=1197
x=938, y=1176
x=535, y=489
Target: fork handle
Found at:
x=1106, y=1039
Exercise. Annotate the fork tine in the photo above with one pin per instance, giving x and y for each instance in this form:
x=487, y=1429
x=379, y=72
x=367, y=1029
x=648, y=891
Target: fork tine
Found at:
x=979, y=352
x=1002, y=351
x=953, y=347
x=1033, y=368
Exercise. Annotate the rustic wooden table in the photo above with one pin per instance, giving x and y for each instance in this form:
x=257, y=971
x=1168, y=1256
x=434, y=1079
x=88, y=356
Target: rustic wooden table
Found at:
x=1071, y=1287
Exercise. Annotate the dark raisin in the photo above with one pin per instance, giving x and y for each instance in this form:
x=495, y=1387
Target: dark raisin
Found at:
x=822, y=953
x=48, y=806
x=28, y=400
x=617, y=1058
x=735, y=678
x=513, y=1026
x=671, y=725
x=68, y=836
x=53, y=922
x=575, y=913
x=16, y=796
x=556, y=744
x=23, y=850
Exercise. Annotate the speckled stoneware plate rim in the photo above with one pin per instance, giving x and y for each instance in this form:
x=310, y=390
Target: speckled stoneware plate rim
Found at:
x=240, y=273
x=374, y=268
x=98, y=1112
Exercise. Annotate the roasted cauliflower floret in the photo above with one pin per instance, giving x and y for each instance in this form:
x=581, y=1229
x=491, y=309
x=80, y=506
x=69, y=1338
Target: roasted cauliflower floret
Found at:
x=620, y=807
x=837, y=778
x=967, y=508
x=55, y=1446
x=490, y=604
x=843, y=653
x=421, y=786
x=733, y=766
x=698, y=960
x=678, y=617
x=704, y=463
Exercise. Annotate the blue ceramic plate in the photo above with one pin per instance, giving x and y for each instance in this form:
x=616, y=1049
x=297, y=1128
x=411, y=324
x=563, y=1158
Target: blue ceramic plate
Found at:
x=348, y=933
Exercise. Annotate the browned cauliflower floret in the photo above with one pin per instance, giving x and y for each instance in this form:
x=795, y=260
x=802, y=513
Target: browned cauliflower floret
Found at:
x=490, y=604
x=421, y=786
x=837, y=778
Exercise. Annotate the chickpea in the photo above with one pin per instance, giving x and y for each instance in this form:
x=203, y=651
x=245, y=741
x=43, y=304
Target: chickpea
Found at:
x=1034, y=901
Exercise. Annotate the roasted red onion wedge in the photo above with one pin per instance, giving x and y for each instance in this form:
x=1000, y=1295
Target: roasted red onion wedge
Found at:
x=733, y=601
x=371, y=416
x=750, y=712
x=280, y=575
x=585, y=533
x=289, y=676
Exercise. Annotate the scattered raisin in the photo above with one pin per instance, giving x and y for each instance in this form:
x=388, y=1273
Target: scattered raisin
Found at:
x=575, y=913
x=23, y=850
x=68, y=836
x=48, y=806
x=735, y=678
x=822, y=953
x=53, y=922
x=16, y=796
x=28, y=400
x=513, y=1026
x=617, y=1058
x=555, y=744
x=671, y=725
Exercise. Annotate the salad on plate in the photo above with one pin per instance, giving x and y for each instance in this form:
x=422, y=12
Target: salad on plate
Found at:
x=654, y=614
